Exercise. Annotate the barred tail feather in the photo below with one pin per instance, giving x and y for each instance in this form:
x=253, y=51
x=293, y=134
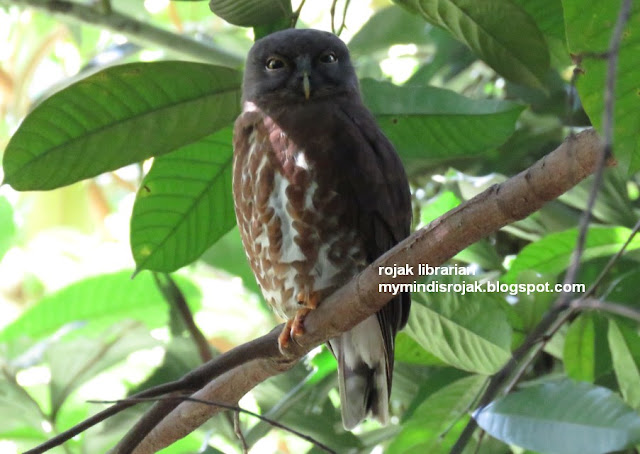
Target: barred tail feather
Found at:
x=362, y=373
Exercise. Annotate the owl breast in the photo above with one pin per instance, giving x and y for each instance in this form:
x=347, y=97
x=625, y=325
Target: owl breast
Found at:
x=292, y=226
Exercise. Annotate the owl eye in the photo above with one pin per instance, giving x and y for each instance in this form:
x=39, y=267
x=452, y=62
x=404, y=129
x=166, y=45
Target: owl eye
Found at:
x=328, y=57
x=274, y=63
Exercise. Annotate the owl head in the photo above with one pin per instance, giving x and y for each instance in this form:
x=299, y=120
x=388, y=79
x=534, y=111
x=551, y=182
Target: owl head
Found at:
x=298, y=66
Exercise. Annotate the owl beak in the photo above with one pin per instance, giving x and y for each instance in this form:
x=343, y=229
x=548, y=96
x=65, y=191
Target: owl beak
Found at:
x=306, y=86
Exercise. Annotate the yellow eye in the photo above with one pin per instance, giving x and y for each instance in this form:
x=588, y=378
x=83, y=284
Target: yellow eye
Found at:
x=274, y=63
x=329, y=57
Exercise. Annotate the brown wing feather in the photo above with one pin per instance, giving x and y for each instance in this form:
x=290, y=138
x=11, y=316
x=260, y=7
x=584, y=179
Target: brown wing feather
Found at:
x=379, y=184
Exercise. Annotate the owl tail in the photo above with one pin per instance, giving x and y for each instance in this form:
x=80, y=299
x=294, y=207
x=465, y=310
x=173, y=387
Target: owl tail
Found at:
x=362, y=373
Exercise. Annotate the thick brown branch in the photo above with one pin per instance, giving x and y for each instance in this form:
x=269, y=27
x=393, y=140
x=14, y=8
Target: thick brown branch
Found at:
x=496, y=207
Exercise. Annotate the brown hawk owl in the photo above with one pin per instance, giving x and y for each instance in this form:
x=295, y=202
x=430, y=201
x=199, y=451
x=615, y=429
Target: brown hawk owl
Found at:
x=319, y=194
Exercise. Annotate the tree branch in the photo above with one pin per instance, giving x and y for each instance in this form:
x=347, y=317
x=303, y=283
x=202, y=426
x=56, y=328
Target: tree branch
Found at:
x=496, y=207
x=140, y=32
x=228, y=377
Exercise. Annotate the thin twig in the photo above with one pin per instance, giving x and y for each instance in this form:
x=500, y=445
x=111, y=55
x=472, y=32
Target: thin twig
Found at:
x=296, y=15
x=344, y=17
x=332, y=13
x=237, y=428
x=136, y=30
x=612, y=308
x=176, y=299
x=235, y=408
x=480, y=439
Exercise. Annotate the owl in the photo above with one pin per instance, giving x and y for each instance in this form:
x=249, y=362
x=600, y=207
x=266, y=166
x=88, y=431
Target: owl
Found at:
x=319, y=193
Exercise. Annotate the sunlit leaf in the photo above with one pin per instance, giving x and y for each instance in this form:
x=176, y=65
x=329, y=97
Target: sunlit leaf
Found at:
x=184, y=204
x=249, y=13
x=624, y=344
x=428, y=124
x=586, y=356
x=100, y=301
x=469, y=332
x=589, y=28
x=424, y=430
x=562, y=418
x=74, y=362
x=552, y=253
x=119, y=116
x=388, y=26
x=518, y=52
x=24, y=411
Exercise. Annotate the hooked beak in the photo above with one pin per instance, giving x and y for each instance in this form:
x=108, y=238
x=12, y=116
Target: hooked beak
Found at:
x=303, y=64
x=306, y=86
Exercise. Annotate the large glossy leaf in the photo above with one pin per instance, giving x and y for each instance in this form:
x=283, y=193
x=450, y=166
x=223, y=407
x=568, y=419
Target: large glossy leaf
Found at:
x=586, y=356
x=100, y=300
x=552, y=253
x=433, y=124
x=518, y=52
x=562, y=418
x=119, y=116
x=589, y=28
x=624, y=344
x=424, y=430
x=469, y=332
x=184, y=204
x=249, y=13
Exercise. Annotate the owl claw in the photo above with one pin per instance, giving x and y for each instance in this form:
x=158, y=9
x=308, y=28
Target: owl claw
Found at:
x=295, y=327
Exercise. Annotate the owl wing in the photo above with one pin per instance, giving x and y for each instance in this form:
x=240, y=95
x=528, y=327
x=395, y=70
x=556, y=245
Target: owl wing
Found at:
x=378, y=183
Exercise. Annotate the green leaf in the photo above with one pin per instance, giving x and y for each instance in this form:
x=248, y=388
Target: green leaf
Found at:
x=249, y=13
x=18, y=408
x=101, y=301
x=481, y=253
x=74, y=362
x=438, y=379
x=409, y=351
x=7, y=226
x=552, y=253
x=518, y=52
x=423, y=431
x=469, y=332
x=438, y=206
x=586, y=356
x=549, y=18
x=184, y=204
x=122, y=115
x=624, y=344
x=612, y=205
x=589, y=28
x=388, y=26
x=531, y=307
x=562, y=418
x=433, y=124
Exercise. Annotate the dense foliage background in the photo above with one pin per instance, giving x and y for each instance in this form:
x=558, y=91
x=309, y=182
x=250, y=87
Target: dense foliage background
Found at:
x=125, y=109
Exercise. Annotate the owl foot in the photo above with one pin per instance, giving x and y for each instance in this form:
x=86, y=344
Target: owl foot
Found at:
x=295, y=326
